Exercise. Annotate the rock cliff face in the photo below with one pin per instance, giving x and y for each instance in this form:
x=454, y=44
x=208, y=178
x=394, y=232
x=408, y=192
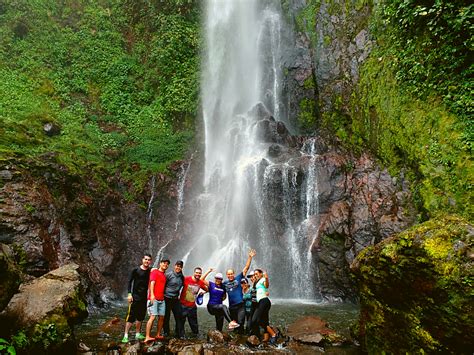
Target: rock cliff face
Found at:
x=56, y=217
x=330, y=43
x=355, y=204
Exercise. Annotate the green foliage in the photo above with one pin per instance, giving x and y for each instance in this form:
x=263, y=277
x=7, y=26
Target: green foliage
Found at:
x=413, y=104
x=418, y=136
x=20, y=340
x=432, y=43
x=6, y=347
x=114, y=76
x=306, y=20
x=307, y=116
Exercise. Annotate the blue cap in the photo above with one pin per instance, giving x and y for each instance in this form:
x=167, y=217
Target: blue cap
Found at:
x=200, y=299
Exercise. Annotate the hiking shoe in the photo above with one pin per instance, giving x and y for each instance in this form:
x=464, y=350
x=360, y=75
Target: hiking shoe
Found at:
x=139, y=336
x=125, y=339
x=233, y=325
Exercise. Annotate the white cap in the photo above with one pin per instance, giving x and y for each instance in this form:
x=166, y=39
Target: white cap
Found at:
x=219, y=276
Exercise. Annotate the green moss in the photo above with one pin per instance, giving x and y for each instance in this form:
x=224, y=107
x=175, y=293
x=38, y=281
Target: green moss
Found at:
x=53, y=334
x=306, y=20
x=415, y=290
x=122, y=87
x=418, y=137
x=307, y=116
x=10, y=277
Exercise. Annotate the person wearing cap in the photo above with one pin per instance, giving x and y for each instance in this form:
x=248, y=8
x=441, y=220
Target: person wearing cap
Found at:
x=156, y=300
x=191, y=287
x=234, y=291
x=217, y=294
x=174, y=284
x=137, y=293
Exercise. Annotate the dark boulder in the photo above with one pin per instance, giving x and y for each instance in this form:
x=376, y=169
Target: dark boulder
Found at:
x=10, y=276
x=51, y=129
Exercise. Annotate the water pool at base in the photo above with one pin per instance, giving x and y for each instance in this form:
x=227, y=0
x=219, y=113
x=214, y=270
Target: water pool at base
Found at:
x=98, y=332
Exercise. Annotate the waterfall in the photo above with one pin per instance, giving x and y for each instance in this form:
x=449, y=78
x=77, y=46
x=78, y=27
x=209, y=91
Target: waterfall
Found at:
x=181, y=183
x=149, y=213
x=249, y=198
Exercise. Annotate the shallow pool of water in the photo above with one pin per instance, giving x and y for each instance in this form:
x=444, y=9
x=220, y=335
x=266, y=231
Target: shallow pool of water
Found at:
x=97, y=331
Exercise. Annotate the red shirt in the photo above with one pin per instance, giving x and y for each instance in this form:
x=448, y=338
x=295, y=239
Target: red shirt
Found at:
x=190, y=291
x=160, y=282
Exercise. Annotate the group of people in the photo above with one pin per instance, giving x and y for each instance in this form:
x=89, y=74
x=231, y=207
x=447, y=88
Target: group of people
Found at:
x=163, y=292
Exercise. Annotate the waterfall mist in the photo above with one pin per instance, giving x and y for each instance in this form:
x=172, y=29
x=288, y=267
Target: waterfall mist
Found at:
x=248, y=199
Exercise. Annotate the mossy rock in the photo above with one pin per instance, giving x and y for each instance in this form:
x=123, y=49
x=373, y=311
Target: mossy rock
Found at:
x=11, y=275
x=416, y=290
x=39, y=318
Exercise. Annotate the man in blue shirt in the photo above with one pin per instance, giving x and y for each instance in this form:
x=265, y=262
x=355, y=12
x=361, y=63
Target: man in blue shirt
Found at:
x=234, y=291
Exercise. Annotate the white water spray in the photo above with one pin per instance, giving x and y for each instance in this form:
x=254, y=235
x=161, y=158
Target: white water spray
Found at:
x=247, y=199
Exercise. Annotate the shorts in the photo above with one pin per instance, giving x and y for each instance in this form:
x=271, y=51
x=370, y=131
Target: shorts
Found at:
x=158, y=308
x=137, y=311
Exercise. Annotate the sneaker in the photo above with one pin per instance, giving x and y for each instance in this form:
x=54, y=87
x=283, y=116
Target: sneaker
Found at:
x=233, y=325
x=139, y=336
x=273, y=340
x=125, y=339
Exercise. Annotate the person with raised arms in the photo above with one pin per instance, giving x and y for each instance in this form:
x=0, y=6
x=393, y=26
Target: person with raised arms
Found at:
x=261, y=314
x=234, y=291
x=215, y=307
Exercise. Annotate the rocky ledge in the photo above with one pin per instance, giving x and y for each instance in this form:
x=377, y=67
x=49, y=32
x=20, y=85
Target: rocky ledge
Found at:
x=308, y=335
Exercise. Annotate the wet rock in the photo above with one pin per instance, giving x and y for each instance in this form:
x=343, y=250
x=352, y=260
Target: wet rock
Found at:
x=6, y=175
x=281, y=128
x=415, y=290
x=10, y=276
x=253, y=341
x=314, y=330
x=53, y=301
x=260, y=112
x=215, y=336
x=188, y=347
x=155, y=348
x=51, y=129
x=274, y=150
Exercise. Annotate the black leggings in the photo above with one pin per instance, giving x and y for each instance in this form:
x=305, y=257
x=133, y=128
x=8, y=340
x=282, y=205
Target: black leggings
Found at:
x=220, y=311
x=260, y=316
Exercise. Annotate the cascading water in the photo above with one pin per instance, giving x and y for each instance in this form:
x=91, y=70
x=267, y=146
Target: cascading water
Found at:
x=181, y=184
x=149, y=213
x=248, y=199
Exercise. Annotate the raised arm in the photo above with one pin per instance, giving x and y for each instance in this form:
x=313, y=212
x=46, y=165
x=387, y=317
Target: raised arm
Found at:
x=206, y=275
x=265, y=280
x=252, y=253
